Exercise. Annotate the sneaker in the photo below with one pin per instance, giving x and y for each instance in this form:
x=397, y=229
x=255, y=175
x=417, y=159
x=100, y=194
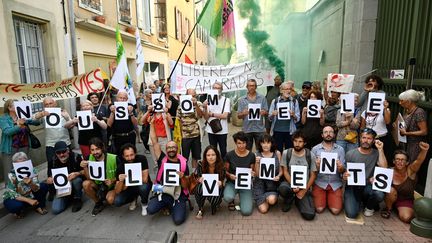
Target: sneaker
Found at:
x=368, y=212
x=76, y=205
x=143, y=209
x=349, y=220
x=133, y=205
x=99, y=206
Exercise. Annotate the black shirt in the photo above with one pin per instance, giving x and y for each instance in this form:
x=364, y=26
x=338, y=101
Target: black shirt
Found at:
x=122, y=126
x=138, y=159
x=73, y=163
x=236, y=161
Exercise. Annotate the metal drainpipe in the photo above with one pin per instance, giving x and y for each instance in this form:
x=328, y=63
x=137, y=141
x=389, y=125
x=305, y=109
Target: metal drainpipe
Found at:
x=411, y=67
x=72, y=104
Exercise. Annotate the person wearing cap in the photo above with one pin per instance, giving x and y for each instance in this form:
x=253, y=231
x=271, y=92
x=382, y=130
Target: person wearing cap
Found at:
x=356, y=195
x=253, y=129
x=302, y=98
x=64, y=157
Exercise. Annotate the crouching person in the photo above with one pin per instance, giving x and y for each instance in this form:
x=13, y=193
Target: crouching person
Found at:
x=66, y=158
x=99, y=190
x=299, y=155
x=172, y=198
x=129, y=194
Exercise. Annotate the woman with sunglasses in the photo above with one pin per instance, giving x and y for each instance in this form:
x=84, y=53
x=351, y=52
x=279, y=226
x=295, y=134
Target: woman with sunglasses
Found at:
x=401, y=193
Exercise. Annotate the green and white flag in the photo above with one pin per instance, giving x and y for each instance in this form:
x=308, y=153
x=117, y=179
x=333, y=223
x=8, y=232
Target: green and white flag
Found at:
x=121, y=79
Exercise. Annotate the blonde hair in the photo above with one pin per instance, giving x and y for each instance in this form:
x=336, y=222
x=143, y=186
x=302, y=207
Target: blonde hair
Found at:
x=6, y=106
x=412, y=95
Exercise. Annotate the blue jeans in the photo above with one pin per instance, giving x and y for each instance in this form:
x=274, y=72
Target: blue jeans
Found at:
x=15, y=206
x=347, y=146
x=245, y=196
x=356, y=195
x=176, y=207
x=133, y=192
x=59, y=204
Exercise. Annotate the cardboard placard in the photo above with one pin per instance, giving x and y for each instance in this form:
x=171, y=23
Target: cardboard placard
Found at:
x=53, y=120
x=283, y=110
x=133, y=174
x=375, y=103
x=254, y=112
x=186, y=104
x=170, y=176
x=243, y=178
x=298, y=176
x=267, y=168
x=84, y=120
x=347, y=103
x=121, y=110
x=97, y=170
x=23, y=109
x=23, y=169
x=313, y=108
x=210, y=185
x=383, y=178
x=328, y=163
x=60, y=178
x=158, y=102
x=357, y=174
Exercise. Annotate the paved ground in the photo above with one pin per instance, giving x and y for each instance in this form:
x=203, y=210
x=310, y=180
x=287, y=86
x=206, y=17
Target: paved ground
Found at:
x=121, y=225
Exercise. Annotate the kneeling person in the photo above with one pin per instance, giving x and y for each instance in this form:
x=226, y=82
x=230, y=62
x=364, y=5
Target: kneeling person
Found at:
x=128, y=194
x=66, y=158
x=97, y=190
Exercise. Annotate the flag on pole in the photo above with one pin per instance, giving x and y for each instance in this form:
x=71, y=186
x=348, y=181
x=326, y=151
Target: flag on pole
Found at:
x=188, y=60
x=217, y=17
x=139, y=59
x=121, y=78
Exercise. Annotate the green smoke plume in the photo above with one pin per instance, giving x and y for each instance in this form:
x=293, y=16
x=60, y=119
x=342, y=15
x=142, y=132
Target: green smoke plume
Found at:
x=257, y=38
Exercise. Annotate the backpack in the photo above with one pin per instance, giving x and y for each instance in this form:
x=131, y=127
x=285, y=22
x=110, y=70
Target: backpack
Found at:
x=307, y=154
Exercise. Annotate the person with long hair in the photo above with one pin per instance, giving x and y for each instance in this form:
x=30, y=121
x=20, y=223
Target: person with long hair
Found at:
x=265, y=191
x=211, y=163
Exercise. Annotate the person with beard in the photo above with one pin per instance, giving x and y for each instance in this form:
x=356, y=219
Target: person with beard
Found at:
x=298, y=155
x=356, y=195
x=172, y=198
x=327, y=190
x=128, y=194
x=252, y=128
x=97, y=190
x=66, y=158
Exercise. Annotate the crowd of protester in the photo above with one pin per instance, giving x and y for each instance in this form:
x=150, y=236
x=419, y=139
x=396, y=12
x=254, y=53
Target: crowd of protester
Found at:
x=357, y=137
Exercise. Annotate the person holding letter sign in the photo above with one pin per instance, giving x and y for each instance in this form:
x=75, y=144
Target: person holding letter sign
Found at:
x=416, y=121
x=213, y=111
x=172, y=197
x=240, y=157
x=372, y=83
x=348, y=123
x=70, y=160
x=100, y=190
x=82, y=122
x=20, y=194
x=289, y=189
x=15, y=135
x=123, y=131
x=265, y=190
x=404, y=181
x=284, y=113
x=252, y=128
x=128, y=194
x=190, y=128
x=327, y=190
x=355, y=195
x=312, y=127
x=212, y=163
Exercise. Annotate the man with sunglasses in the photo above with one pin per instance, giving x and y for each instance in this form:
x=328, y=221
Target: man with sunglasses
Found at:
x=66, y=158
x=356, y=195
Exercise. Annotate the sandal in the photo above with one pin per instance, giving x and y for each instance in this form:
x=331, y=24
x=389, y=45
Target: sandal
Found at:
x=386, y=213
x=199, y=214
x=19, y=215
x=41, y=211
x=231, y=206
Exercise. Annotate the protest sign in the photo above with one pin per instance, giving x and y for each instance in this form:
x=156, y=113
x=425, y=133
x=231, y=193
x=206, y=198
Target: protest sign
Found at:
x=341, y=83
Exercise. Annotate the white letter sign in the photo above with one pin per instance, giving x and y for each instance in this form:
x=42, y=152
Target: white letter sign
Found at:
x=158, y=102
x=97, y=170
x=298, y=176
x=328, y=163
x=375, y=103
x=347, y=103
x=60, y=178
x=210, y=185
x=84, y=120
x=357, y=174
x=171, y=178
x=313, y=108
x=23, y=109
x=243, y=178
x=283, y=110
x=254, y=112
x=267, y=168
x=53, y=119
x=186, y=104
x=121, y=110
x=23, y=169
x=383, y=178
x=133, y=174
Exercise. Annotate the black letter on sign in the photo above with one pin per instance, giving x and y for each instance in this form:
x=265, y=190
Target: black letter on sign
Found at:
x=240, y=179
x=255, y=114
x=283, y=112
x=210, y=189
x=23, y=114
x=313, y=110
x=158, y=104
x=23, y=172
x=331, y=166
x=267, y=173
x=298, y=175
x=170, y=174
x=121, y=112
x=129, y=176
x=212, y=99
x=187, y=105
x=82, y=123
x=344, y=108
x=99, y=172
x=65, y=180
x=354, y=173
x=381, y=178
x=373, y=103
x=56, y=119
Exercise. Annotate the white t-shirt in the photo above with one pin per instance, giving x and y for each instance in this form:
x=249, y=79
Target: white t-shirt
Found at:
x=376, y=122
x=218, y=110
